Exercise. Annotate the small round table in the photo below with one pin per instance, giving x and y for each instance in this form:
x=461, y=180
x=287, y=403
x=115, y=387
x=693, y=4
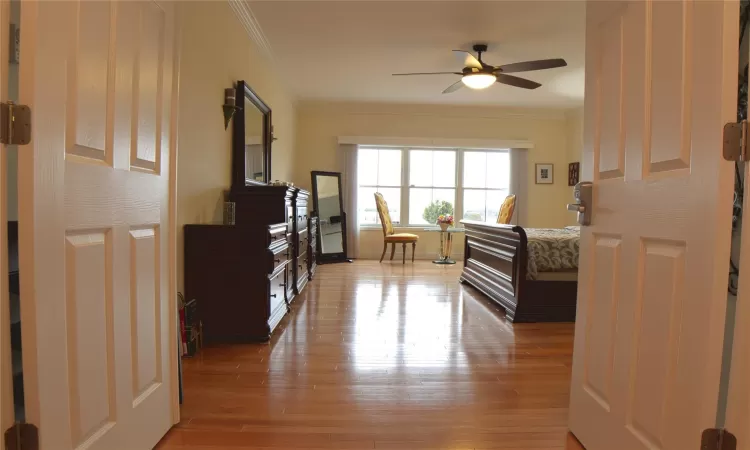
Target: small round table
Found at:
x=446, y=244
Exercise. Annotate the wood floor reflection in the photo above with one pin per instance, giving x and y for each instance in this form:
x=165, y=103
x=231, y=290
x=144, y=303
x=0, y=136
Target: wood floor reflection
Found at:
x=383, y=356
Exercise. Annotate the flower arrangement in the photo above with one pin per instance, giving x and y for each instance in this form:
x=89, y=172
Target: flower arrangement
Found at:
x=445, y=221
x=445, y=218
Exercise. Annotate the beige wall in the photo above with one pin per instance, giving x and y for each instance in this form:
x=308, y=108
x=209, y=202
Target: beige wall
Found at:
x=319, y=125
x=216, y=51
x=574, y=125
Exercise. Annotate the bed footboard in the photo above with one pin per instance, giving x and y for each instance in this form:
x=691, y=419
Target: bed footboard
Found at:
x=495, y=262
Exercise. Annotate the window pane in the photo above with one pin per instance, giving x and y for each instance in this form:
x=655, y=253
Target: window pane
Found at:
x=368, y=212
x=422, y=207
x=494, y=201
x=392, y=196
x=367, y=159
x=389, y=168
x=419, y=199
x=420, y=167
x=444, y=169
x=498, y=170
x=474, y=205
x=475, y=169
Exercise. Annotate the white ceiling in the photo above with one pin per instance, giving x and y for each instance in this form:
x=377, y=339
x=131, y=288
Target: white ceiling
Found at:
x=347, y=50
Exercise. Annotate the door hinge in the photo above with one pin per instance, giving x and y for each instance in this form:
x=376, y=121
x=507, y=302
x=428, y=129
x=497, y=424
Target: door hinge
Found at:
x=22, y=436
x=735, y=141
x=15, y=123
x=718, y=439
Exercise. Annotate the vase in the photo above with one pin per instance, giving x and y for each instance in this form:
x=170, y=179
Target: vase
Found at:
x=444, y=226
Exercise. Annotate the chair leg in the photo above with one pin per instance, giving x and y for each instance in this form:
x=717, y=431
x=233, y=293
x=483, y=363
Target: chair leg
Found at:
x=385, y=247
x=393, y=250
x=413, y=249
x=404, y=256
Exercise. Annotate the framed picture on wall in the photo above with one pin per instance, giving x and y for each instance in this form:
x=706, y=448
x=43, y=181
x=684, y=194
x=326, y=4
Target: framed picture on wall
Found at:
x=544, y=173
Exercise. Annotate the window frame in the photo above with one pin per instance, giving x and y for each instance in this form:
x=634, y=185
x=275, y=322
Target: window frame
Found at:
x=485, y=189
x=377, y=223
x=406, y=185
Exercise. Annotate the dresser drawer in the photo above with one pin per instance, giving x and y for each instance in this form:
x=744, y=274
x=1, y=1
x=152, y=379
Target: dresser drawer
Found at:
x=302, y=242
x=290, y=216
x=276, y=297
x=276, y=234
x=280, y=256
x=301, y=218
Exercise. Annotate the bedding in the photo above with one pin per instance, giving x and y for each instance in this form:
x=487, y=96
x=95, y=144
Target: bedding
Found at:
x=552, y=250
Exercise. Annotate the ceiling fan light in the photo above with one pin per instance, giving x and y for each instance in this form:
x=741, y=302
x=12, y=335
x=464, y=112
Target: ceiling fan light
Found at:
x=479, y=80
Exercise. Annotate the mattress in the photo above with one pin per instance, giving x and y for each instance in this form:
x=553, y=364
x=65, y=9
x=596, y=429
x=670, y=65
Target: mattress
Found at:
x=552, y=250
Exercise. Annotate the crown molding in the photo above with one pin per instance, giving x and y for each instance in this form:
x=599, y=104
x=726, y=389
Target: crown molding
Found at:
x=245, y=15
x=431, y=110
x=484, y=144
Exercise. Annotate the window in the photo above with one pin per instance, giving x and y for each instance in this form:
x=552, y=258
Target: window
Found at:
x=420, y=184
x=486, y=180
x=379, y=170
x=432, y=185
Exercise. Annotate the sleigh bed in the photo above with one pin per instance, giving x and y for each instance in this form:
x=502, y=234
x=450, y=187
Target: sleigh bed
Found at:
x=532, y=273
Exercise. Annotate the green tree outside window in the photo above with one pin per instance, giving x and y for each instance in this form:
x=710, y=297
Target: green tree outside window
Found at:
x=435, y=209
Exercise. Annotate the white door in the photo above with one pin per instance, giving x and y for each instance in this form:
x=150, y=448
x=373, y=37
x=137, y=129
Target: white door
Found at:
x=97, y=305
x=6, y=371
x=738, y=397
x=661, y=81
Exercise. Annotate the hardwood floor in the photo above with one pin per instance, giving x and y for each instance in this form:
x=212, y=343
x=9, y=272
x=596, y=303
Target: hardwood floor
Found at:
x=383, y=356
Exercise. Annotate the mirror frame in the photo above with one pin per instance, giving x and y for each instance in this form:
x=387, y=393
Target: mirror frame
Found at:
x=239, y=177
x=324, y=258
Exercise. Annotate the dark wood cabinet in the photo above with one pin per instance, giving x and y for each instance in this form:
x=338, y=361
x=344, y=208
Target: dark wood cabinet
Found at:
x=300, y=236
x=239, y=277
x=266, y=205
x=312, y=243
x=244, y=276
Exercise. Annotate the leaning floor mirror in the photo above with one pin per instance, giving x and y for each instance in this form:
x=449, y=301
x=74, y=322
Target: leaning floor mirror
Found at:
x=328, y=204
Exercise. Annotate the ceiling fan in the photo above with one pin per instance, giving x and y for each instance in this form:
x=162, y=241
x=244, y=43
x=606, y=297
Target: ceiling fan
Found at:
x=479, y=75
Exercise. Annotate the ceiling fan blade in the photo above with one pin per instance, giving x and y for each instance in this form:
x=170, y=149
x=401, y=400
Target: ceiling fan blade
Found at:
x=426, y=73
x=527, y=66
x=454, y=87
x=516, y=81
x=467, y=59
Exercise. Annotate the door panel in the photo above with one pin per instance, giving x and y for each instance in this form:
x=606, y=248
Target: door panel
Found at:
x=90, y=348
x=7, y=413
x=660, y=84
x=738, y=393
x=96, y=198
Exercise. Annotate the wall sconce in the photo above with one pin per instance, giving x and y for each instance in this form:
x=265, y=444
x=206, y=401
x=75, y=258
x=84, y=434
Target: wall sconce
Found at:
x=229, y=107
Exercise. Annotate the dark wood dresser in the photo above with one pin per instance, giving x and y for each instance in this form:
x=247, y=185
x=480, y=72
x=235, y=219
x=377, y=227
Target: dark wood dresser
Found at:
x=244, y=276
x=300, y=237
x=239, y=277
x=269, y=205
x=312, y=244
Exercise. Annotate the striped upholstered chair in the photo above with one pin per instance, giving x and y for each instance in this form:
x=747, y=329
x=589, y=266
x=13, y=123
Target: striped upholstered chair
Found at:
x=506, y=210
x=389, y=236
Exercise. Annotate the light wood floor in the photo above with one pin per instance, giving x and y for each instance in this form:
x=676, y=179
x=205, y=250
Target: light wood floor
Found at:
x=383, y=356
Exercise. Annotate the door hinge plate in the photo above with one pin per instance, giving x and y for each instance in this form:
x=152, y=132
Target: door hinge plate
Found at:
x=735, y=141
x=22, y=436
x=718, y=439
x=15, y=123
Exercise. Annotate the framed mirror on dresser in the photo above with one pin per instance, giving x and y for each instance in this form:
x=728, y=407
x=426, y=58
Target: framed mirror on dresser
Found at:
x=251, y=139
x=246, y=274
